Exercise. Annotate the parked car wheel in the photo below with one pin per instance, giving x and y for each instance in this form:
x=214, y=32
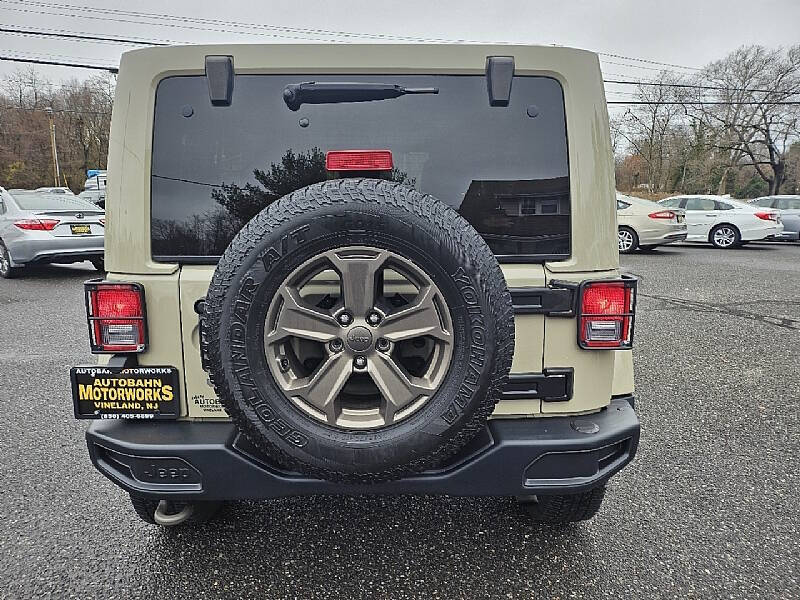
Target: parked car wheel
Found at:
x=99, y=264
x=725, y=236
x=564, y=509
x=6, y=270
x=627, y=239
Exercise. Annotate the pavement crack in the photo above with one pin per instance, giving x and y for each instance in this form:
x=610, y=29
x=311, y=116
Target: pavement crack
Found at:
x=732, y=309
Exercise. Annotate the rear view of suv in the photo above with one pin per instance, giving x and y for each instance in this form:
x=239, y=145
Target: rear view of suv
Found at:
x=360, y=269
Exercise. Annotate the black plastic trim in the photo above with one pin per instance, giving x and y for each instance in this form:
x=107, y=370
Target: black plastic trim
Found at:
x=219, y=73
x=554, y=385
x=542, y=301
x=499, y=77
x=510, y=457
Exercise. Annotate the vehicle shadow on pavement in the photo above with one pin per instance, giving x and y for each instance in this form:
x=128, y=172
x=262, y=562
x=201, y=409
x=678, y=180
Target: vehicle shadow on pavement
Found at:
x=371, y=546
x=78, y=271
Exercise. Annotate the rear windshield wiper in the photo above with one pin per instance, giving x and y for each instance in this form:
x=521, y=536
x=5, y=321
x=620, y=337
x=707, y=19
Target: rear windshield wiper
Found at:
x=311, y=92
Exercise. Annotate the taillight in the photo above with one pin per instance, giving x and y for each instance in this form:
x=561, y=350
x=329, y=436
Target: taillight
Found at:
x=36, y=224
x=116, y=314
x=662, y=214
x=606, y=314
x=767, y=216
x=358, y=160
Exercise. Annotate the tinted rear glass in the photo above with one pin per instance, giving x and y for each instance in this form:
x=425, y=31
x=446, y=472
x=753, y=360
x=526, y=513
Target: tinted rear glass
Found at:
x=503, y=168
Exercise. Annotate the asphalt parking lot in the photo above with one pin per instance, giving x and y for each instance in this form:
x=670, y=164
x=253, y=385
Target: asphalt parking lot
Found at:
x=709, y=508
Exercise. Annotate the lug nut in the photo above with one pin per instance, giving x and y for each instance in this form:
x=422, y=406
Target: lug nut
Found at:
x=344, y=319
x=336, y=345
x=360, y=362
x=373, y=318
x=284, y=363
x=383, y=344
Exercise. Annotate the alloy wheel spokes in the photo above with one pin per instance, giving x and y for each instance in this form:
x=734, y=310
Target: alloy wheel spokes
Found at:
x=299, y=319
x=350, y=349
x=399, y=390
x=358, y=273
x=724, y=237
x=322, y=387
x=418, y=319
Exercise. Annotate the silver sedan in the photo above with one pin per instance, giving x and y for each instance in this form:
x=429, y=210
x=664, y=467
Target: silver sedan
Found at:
x=37, y=228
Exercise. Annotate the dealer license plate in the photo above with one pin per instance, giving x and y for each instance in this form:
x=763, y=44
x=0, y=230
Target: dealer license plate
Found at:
x=101, y=392
x=80, y=229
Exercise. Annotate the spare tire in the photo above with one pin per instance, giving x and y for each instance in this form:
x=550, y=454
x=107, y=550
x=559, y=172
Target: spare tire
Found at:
x=358, y=330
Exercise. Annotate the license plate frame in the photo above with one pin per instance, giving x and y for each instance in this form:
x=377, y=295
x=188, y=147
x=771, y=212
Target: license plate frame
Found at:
x=80, y=229
x=125, y=392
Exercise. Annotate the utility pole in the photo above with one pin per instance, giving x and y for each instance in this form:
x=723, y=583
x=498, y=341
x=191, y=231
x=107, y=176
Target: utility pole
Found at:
x=56, y=170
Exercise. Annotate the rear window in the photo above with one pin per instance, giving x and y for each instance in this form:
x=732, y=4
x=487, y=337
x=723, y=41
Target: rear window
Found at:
x=50, y=201
x=503, y=168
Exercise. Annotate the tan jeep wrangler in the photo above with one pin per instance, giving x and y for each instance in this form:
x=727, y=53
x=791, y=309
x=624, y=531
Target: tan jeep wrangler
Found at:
x=360, y=269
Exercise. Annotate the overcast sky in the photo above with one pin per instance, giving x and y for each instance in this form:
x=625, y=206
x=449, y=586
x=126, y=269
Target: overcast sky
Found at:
x=684, y=32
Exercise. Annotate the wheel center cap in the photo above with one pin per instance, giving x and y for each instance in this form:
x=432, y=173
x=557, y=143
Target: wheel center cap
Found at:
x=359, y=339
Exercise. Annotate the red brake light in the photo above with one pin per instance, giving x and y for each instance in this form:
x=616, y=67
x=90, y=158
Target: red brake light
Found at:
x=767, y=216
x=359, y=160
x=662, y=214
x=605, y=318
x=37, y=224
x=116, y=313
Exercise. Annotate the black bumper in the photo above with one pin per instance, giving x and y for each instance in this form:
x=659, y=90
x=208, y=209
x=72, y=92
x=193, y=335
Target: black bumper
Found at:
x=211, y=461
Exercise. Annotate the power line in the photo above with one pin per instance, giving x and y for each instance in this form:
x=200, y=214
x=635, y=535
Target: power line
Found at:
x=56, y=110
x=307, y=32
x=162, y=24
x=648, y=61
x=703, y=102
x=694, y=86
x=58, y=63
x=79, y=36
x=658, y=69
x=324, y=33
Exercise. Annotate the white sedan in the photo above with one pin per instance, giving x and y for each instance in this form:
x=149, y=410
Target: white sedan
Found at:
x=723, y=222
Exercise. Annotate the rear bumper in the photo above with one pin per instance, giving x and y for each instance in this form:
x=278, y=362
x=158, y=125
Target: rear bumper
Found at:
x=211, y=461
x=32, y=250
x=761, y=233
x=788, y=235
x=658, y=238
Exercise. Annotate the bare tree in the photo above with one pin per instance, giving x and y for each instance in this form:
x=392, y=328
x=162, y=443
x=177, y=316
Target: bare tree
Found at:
x=750, y=123
x=650, y=127
x=82, y=113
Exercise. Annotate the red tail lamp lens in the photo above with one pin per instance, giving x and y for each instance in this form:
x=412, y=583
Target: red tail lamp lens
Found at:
x=767, y=216
x=662, y=214
x=116, y=317
x=606, y=314
x=37, y=224
x=359, y=160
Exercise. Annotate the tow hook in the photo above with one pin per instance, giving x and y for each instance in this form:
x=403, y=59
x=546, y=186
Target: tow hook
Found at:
x=163, y=518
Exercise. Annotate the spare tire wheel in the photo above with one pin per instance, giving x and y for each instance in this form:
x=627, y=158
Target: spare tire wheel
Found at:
x=358, y=330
